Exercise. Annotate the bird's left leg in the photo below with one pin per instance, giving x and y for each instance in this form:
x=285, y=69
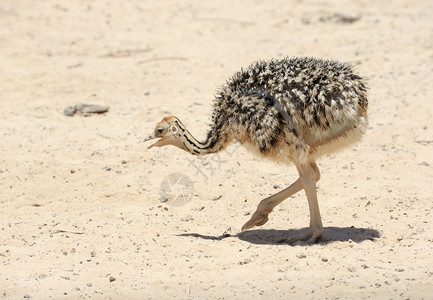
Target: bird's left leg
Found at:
x=266, y=206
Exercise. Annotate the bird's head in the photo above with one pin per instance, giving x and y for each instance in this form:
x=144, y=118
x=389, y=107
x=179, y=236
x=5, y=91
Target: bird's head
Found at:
x=169, y=131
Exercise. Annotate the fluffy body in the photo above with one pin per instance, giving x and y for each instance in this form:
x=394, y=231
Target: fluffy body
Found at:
x=290, y=109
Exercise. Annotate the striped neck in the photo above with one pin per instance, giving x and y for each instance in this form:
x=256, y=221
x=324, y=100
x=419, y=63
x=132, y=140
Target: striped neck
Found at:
x=213, y=143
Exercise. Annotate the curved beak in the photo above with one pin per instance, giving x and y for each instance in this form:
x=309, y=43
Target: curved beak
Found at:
x=159, y=143
x=150, y=137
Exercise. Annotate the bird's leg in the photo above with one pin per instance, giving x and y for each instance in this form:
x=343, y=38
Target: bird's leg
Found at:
x=308, y=175
x=265, y=206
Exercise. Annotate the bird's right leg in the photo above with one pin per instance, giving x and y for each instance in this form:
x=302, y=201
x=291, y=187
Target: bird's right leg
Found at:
x=309, y=174
x=266, y=206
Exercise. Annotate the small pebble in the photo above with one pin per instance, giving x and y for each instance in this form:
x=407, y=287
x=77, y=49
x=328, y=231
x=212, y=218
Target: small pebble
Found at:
x=324, y=259
x=347, y=17
x=112, y=279
x=123, y=162
x=89, y=284
x=217, y=197
x=72, y=171
x=302, y=255
x=187, y=218
x=399, y=269
x=27, y=296
x=245, y=261
x=42, y=276
x=276, y=186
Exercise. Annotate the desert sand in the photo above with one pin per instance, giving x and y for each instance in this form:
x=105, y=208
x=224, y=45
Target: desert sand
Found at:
x=82, y=211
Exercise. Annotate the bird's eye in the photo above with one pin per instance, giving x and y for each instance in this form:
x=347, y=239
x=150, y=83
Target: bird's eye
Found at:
x=159, y=130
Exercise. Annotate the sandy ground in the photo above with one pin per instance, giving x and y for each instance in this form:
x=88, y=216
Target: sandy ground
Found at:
x=80, y=209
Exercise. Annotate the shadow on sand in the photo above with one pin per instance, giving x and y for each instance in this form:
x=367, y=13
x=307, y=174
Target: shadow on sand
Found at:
x=278, y=237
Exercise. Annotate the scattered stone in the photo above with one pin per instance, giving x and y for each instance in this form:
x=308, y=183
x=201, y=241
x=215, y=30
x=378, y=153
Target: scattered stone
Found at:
x=26, y=296
x=123, y=162
x=85, y=109
x=324, y=259
x=245, y=261
x=187, y=218
x=340, y=18
x=89, y=284
x=302, y=255
x=73, y=250
x=72, y=171
x=112, y=279
x=163, y=199
x=399, y=269
x=217, y=198
x=41, y=276
x=347, y=17
x=276, y=186
x=230, y=231
x=69, y=111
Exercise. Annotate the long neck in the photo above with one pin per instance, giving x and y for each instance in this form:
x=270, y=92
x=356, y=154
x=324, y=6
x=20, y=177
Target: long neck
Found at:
x=215, y=141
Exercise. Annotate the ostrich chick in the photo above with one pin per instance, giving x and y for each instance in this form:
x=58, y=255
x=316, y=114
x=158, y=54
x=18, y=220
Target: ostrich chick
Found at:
x=291, y=110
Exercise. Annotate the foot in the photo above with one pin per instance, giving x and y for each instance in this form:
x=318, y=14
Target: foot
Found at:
x=257, y=219
x=309, y=237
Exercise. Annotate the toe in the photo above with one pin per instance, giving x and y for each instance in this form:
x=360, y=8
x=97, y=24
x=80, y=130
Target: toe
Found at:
x=256, y=220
